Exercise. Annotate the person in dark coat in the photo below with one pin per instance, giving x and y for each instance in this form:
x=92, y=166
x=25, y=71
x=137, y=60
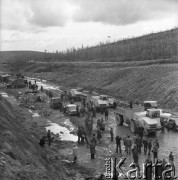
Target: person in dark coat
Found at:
x=118, y=144
x=106, y=114
x=129, y=144
x=148, y=169
x=135, y=154
x=114, y=104
x=79, y=134
x=155, y=151
x=99, y=136
x=112, y=134
x=49, y=137
x=92, y=150
x=94, y=139
x=145, y=145
x=139, y=143
x=78, y=111
x=42, y=141
x=171, y=157
x=149, y=145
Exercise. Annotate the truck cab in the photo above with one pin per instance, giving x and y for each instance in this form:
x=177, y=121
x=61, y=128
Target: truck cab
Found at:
x=100, y=102
x=149, y=104
x=149, y=120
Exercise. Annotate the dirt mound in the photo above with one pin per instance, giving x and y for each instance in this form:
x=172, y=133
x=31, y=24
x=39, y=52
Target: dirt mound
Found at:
x=21, y=157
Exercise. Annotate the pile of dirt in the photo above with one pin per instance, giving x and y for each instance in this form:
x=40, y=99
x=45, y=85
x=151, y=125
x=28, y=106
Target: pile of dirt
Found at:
x=21, y=157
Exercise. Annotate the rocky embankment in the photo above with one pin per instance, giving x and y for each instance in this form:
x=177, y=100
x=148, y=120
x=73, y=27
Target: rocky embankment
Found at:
x=21, y=157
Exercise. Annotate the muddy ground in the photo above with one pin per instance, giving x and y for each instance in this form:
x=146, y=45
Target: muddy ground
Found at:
x=106, y=148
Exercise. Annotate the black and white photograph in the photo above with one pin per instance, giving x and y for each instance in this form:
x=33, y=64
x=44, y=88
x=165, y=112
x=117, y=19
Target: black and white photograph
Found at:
x=88, y=89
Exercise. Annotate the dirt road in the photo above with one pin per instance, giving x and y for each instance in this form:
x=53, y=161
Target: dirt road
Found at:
x=168, y=142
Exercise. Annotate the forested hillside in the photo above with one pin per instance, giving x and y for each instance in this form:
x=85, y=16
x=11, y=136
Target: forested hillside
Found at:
x=162, y=45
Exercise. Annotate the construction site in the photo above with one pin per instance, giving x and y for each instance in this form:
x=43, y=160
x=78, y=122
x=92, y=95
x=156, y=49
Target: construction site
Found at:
x=88, y=90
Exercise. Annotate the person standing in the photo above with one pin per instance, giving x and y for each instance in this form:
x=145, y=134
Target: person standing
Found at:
x=112, y=134
x=171, y=157
x=75, y=153
x=92, y=150
x=125, y=144
x=135, y=154
x=114, y=104
x=139, y=144
x=79, y=134
x=155, y=151
x=99, y=136
x=49, y=137
x=94, y=139
x=118, y=144
x=145, y=145
x=129, y=144
x=106, y=114
x=149, y=145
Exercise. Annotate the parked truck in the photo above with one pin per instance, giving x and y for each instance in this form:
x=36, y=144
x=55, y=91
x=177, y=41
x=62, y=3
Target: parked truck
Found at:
x=100, y=102
x=139, y=116
x=75, y=94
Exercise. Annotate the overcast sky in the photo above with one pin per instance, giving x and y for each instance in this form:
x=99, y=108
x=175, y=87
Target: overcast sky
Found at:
x=60, y=24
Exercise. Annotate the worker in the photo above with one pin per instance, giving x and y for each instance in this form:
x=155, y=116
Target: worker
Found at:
x=112, y=134
x=171, y=157
x=79, y=134
x=139, y=143
x=131, y=105
x=106, y=114
x=42, y=141
x=78, y=110
x=125, y=143
x=118, y=144
x=41, y=88
x=75, y=153
x=155, y=151
x=145, y=145
x=149, y=145
x=94, y=139
x=135, y=154
x=92, y=150
x=99, y=136
x=114, y=104
x=129, y=144
x=49, y=137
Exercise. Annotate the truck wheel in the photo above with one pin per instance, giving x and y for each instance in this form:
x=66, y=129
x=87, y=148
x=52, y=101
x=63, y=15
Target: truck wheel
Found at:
x=132, y=126
x=119, y=119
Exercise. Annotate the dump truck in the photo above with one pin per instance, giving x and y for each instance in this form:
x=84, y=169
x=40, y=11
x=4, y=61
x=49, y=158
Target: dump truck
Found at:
x=100, y=102
x=136, y=117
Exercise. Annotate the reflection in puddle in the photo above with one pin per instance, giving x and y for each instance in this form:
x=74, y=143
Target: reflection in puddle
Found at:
x=63, y=132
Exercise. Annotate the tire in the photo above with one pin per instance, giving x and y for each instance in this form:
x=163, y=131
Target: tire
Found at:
x=119, y=120
x=132, y=126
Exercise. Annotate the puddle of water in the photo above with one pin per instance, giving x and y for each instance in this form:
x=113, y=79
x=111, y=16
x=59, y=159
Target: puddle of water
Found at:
x=35, y=115
x=63, y=132
x=44, y=84
x=4, y=94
